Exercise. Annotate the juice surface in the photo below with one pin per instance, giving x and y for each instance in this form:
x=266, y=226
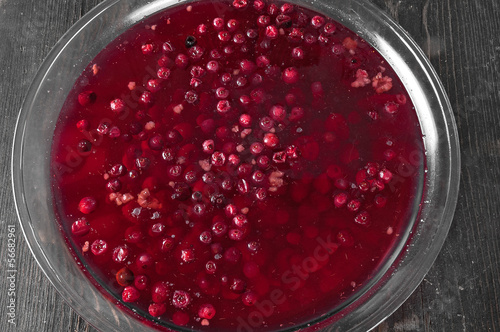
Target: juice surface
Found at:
x=236, y=165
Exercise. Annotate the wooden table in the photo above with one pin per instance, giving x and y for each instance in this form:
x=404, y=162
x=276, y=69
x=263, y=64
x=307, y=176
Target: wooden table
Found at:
x=462, y=40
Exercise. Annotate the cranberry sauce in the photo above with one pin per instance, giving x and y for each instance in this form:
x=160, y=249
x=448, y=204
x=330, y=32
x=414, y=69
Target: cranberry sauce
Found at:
x=236, y=165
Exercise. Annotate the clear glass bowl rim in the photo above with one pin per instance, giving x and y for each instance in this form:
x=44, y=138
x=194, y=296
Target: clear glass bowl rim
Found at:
x=438, y=204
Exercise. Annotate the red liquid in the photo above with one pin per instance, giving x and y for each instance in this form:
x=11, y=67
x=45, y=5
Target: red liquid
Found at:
x=290, y=239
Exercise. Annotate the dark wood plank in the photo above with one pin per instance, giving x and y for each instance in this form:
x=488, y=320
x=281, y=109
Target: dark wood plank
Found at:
x=461, y=38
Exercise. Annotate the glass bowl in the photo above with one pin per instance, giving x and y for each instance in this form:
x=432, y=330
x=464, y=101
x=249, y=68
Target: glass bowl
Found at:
x=35, y=127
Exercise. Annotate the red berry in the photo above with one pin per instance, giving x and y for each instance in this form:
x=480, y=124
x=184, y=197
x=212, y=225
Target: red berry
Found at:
x=99, y=247
x=124, y=277
x=87, y=205
x=160, y=292
x=206, y=311
x=80, y=227
x=130, y=294
x=362, y=218
x=181, y=299
x=271, y=140
x=290, y=75
x=157, y=309
x=86, y=98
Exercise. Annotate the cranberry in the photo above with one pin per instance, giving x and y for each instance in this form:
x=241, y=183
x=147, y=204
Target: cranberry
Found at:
x=208, y=146
x=130, y=294
x=260, y=194
x=391, y=108
x=218, y=158
x=256, y=148
x=219, y=228
x=144, y=261
x=103, y=128
x=196, y=52
x=82, y=125
x=270, y=140
x=142, y=163
x=317, y=22
x=290, y=75
x=236, y=234
x=385, y=175
x=120, y=254
x=206, y=237
x=249, y=298
x=157, y=229
x=240, y=4
x=160, y=292
x=362, y=218
x=259, y=5
x=156, y=142
x=272, y=32
x=182, y=61
x=277, y=113
x=279, y=157
x=263, y=20
x=87, y=205
x=223, y=106
x=273, y=9
x=218, y=200
x=181, y=299
x=354, y=205
x=380, y=201
x=141, y=282
x=340, y=200
x=182, y=191
x=252, y=33
x=233, y=159
x=238, y=286
x=232, y=255
x=224, y=36
x=206, y=311
x=87, y=98
x=168, y=154
x=222, y=93
x=166, y=245
x=213, y=66
x=296, y=35
x=157, y=309
x=211, y=267
x=263, y=162
x=245, y=120
x=240, y=220
x=173, y=137
x=117, y=170
x=147, y=48
x=180, y=318
x=253, y=246
x=163, y=73
x=258, y=177
x=298, y=53
x=329, y=28
x=124, y=277
x=99, y=247
x=310, y=39
x=80, y=227
x=114, y=185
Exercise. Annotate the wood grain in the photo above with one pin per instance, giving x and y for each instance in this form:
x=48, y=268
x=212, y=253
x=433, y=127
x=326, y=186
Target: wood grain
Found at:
x=461, y=39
